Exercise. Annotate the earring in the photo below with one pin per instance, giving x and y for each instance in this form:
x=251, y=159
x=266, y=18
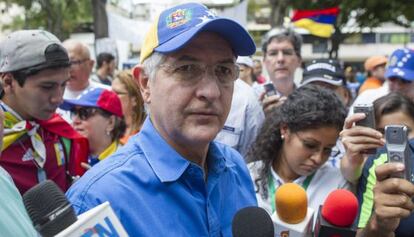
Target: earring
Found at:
x=282, y=136
x=108, y=133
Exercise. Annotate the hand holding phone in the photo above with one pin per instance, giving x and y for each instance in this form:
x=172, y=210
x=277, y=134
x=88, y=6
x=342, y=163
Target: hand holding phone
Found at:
x=368, y=121
x=398, y=150
x=270, y=89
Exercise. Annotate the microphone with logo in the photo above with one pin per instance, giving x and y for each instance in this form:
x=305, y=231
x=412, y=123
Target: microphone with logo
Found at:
x=337, y=215
x=53, y=215
x=293, y=217
x=252, y=221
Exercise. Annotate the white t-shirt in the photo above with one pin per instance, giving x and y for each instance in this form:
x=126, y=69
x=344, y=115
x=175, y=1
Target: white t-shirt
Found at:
x=369, y=96
x=244, y=120
x=325, y=180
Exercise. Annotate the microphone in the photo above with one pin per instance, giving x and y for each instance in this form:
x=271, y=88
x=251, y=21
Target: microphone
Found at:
x=48, y=208
x=252, y=221
x=337, y=215
x=53, y=215
x=293, y=217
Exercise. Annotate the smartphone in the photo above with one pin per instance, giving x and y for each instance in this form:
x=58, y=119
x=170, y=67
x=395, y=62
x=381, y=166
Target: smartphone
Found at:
x=368, y=121
x=270, y=89
x=368, y=110
x=398, y=150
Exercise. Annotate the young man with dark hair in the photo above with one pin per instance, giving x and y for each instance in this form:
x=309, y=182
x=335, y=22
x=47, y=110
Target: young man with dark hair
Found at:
x=37, y=143
x=105, y=68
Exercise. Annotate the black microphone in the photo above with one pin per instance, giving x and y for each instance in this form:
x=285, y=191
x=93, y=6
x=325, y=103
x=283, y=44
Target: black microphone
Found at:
x=252, y=221
x=48, y=208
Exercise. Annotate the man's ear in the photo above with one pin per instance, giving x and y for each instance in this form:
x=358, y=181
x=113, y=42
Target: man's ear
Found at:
x=143, y=82
x=7, y=81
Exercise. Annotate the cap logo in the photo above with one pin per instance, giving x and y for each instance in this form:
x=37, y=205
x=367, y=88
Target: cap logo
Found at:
x=178, y=18
x=325, y=66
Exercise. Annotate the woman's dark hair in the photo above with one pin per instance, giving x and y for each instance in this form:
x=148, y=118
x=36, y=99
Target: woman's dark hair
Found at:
x=119, y=126
x=308, y=107
x=391, y=103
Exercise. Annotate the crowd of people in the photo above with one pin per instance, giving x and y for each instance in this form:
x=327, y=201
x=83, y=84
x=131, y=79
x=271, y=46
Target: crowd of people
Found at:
x=190, y=135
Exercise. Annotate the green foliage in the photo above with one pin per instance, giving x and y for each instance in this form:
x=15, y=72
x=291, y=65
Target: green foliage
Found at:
x=60, y=17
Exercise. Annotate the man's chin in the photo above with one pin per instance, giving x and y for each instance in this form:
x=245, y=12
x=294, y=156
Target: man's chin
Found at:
x=46, y=115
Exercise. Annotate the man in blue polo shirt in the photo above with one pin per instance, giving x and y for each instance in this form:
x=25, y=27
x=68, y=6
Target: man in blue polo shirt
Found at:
x=172, y=179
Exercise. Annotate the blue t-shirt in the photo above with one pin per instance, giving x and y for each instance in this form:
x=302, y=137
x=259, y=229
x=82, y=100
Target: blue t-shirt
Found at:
x=154, y=191
x=366, y=195
x=14, y=220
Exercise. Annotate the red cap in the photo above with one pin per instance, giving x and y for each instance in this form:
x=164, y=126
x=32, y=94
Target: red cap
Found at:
x=96, y=97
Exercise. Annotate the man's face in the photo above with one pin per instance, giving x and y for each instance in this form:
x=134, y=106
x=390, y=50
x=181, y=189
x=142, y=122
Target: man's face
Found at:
x=281, y=60
x=379, y=72
x=257, y=68
x=245, y=73
x=189, y=111
x=40, y=95
x=405, y=87
x=111, y=68
x=80, y=69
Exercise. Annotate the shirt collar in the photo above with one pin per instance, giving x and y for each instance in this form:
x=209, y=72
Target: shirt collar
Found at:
x=280, y=181
x=7, y=108
x=167, y=163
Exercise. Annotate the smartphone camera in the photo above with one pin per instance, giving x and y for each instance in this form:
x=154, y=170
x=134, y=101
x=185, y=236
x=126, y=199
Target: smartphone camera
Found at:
x=398, y=150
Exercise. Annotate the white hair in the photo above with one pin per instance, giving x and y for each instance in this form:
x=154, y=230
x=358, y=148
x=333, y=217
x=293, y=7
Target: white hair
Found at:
x=152, y=63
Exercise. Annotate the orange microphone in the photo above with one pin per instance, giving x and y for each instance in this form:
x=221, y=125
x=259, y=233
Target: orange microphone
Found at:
x=293, y=217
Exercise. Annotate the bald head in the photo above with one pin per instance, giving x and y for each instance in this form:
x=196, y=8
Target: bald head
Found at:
x=81, y=64
x=77, y=47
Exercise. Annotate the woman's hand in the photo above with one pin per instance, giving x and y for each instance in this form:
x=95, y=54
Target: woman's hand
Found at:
x=357, y=140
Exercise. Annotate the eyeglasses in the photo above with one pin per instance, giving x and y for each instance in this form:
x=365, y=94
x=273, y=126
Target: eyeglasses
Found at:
x=77, y=62
x=285, y=52
x=225, y=73
x=313, y=146
x=83, y=113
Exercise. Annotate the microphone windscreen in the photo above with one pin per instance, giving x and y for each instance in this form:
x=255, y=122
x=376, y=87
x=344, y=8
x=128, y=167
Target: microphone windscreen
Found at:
x=48, y=208
x=252, y=221
x=291, y=203
x=340, y=208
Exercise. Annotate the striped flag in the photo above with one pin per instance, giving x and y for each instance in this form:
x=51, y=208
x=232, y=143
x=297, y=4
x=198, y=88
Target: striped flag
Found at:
x=317, y=22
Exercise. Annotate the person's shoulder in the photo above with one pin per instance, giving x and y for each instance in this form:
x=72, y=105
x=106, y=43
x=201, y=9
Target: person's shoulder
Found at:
x=125, y=164
x=94, y=84
x=244, y=90
x=232, y=157
x=228, y=152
